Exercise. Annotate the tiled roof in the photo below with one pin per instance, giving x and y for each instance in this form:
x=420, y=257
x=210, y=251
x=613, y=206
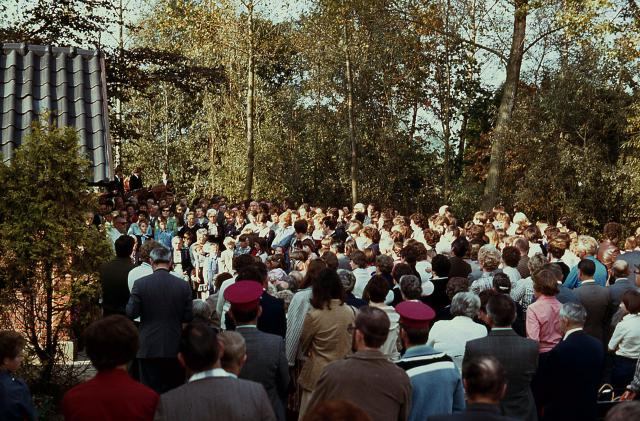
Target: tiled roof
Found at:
x=70, y=83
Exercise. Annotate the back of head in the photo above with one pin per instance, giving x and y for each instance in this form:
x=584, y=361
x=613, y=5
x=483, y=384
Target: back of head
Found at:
x=376, y=290
x=631, y=301
x=384, y=263
x=545, y=282
x=484, y=377
x=11, y=344
x=455, y=285
x=330, y=259
x=620, y=269
x=511, y=256
x=502, y=283
x=573, y=313
x=502, y=310
x=522, y=245
x=441, y=265
x=326, y=287
x=460, y=246
x=160, y=254
x=124, y=246
x=146, y=248
x=235, y=348
x=359, y=259
x=242, y=261
x=587, y=267
x=465, y=304
x=400, y=270
x=347, y=278
x=199, y=346
x=256, y=272
x=202, y=310
x=301, y=226
x=111, y=342
x=411, y=287
x=374, y=325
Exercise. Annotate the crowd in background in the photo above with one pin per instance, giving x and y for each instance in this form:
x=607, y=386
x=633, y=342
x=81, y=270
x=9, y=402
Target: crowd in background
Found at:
x=360, y=313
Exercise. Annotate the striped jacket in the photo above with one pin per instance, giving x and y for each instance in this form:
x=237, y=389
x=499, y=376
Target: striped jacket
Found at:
x=435, y=380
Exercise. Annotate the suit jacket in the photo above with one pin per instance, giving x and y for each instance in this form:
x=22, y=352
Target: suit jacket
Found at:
x=273, y=319
x=135, y=182
x=369, y=380
x=115, y=289
x=474, y=412
x=566, y=295
x=459, y=268
x=220, y=398
x=267, y=364
x=616, y=290
x=571, y=378
x=523, y=267
x=110, y=395
x=163, y=302
x=519, y=357
x=325, y=338
x=438, y=299
x=595, y=300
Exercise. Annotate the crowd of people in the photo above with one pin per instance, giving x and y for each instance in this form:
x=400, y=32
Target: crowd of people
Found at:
x=272, y=311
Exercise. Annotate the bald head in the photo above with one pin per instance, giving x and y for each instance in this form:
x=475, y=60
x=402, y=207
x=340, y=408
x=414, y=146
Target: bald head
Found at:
x=484, y=379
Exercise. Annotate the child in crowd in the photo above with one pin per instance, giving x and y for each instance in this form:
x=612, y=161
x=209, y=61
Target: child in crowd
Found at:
x=226, y=257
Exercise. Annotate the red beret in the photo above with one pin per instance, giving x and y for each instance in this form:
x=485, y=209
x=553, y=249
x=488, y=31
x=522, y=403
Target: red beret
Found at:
x=244, y=295
x=414, y=314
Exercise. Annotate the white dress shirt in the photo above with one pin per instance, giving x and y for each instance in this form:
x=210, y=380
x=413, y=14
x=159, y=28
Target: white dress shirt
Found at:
x=626, y=337
x=363, y=276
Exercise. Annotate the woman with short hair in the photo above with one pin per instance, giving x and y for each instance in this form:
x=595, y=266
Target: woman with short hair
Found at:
x=625, y=341
x=451, y=336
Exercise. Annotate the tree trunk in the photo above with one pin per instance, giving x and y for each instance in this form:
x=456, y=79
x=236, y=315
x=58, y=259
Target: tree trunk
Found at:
x=507, y=103
x=248, y=185
x=352, y=135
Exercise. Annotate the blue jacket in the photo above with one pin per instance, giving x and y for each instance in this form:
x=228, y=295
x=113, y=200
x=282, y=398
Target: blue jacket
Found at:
x=435, y=382
x=15, y=399
x=600, y=276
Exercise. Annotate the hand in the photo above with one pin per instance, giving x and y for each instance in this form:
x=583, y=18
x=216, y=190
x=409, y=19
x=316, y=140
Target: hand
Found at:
x=628, y=395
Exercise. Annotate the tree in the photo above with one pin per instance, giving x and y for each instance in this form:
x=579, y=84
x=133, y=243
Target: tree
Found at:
x=50, y=251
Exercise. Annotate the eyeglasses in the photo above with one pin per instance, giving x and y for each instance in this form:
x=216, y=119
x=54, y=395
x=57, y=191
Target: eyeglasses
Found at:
x=165, y=210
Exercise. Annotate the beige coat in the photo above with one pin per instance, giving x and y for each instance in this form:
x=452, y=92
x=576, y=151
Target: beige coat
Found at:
x=325, y=338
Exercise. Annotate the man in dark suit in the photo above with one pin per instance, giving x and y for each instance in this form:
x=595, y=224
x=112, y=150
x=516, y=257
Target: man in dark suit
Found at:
x=211, y=393
x=163, y=302
x=111, y=343
x=113, y=278
x=272, y=318
x=573, y=370
x=485, y=382
x=135, y=180
x=595, y=300
x=518, y=356
x=522, y=244
x=623, y=282
x=266, y=360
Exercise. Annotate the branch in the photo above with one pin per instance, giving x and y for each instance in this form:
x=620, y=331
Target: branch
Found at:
x=542, y=36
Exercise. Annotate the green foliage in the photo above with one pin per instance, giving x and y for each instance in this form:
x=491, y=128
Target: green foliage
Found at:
x=50, y=252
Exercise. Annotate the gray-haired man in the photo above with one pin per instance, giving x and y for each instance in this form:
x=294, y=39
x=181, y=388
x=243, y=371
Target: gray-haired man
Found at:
x=163, y=302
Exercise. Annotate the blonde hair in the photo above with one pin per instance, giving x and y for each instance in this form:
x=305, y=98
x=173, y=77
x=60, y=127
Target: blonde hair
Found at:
x=586, y=244
x=489, y=257
x=228, y=241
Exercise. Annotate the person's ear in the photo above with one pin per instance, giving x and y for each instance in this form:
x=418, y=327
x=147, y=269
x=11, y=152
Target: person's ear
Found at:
x=259, y=311
x=243, y=360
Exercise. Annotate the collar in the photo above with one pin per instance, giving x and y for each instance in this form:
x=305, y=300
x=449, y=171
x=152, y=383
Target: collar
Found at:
x=497, y=329
x=631, y=316
x=570, y=331
x=588, y=281
x=247, y=326
x=369, y=354
x=418, y=350
x=216, y=372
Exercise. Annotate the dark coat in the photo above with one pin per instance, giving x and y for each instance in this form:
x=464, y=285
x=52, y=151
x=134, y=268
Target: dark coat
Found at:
x=616, y=290
x=135, y=182
x=519, y=357
x=163, y=302
x=267, y=364
x=571, y=379
x=115, y=289
x=475, y=412
x=273, y=319
x=220, y=398
x=595, y=300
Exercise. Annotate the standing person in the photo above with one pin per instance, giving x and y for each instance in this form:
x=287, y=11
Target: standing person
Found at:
x=586, y=250
x=624, y=281
x=367, y=378
x=163, y=302
x=111, y=394
x=325, y=337
x=135, y=179
x=485, y=383
x=451, y=336
x=459, y=249
x=114, y=278
x=543, y=316
x=489, y=259
x=595, y=299
x=572, y=373
x=144, y=268
x=266, y=361
x=518, y=356
x=211, y=392
x=15, y=399
x=435, y=379
x=625, y=341
x=375, y=294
